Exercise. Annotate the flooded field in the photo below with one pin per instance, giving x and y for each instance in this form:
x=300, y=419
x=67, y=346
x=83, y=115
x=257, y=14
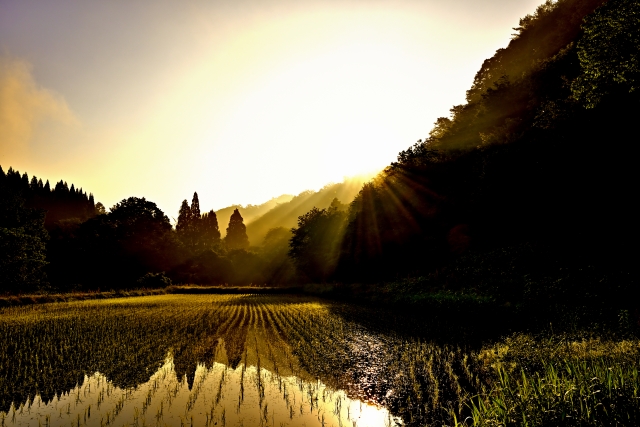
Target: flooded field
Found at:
x=259, y=360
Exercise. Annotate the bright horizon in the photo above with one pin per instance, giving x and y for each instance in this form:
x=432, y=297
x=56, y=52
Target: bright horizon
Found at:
x=240, y=101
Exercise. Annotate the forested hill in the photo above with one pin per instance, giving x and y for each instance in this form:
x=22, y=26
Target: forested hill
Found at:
x=283, y=211
x=60, y=202
x=252, y=212
x=537, y=165
x=286, y=214
x=525, y=193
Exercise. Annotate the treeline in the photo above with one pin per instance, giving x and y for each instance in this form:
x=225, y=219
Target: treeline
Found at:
x=61, y=202
x=59, y=240
x=521, y=190
x=26, y=208
x=519, y=193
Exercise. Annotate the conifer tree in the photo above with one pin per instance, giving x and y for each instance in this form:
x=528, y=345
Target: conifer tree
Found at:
x=236, y=237
x=210, y=232
x=184, y=219
x=195, y=206
x=194, y=229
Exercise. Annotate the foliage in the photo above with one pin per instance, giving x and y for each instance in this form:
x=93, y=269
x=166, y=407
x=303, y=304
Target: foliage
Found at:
x=522, y=164
x=285, y=213
x=236, y=237
x=22, y=244
x=210, y=233
x=60, y=203
x=315, y=243
x=135, y=236
x=608, y=52
x=154, y=280
x=559, y=381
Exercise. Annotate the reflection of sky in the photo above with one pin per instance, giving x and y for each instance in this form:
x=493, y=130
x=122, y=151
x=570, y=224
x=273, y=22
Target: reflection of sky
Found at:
x=219, y=396
x=238, y=100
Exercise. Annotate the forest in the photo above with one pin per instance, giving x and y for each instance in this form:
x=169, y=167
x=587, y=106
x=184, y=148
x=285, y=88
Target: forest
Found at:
x=524, y=195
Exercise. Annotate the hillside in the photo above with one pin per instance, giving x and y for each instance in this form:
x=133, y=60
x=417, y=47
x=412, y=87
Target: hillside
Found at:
x=249, y=212
x=283, y=211
x=532, y=177
x=286, y=214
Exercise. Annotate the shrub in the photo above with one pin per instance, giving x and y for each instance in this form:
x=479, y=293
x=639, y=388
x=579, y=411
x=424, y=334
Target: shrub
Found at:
x=154, y=280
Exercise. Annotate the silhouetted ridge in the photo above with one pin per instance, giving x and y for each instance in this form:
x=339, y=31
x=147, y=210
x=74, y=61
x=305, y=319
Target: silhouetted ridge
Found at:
x=61, y=203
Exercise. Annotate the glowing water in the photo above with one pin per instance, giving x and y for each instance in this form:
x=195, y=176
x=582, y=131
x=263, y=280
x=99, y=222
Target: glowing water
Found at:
x=219, y=396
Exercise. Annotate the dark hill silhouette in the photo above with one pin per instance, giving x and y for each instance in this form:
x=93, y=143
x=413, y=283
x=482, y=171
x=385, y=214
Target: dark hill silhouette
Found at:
x=539, y=157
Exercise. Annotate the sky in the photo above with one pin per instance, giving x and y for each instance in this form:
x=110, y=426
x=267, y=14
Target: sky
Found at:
x=239, y=100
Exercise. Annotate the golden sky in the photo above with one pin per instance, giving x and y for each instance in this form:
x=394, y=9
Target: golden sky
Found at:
x=238, y=100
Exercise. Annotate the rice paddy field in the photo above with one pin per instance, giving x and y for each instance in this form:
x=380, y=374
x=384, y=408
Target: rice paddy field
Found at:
x=293, y=360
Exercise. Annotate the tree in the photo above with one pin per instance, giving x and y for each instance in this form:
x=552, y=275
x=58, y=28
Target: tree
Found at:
x=184, y=219
x=195, y=206
x=134, y=238
x=609, y=52
x=315, y=244
x=236, y=237
x=210, y=233
x=22, y=244
x=195, y=225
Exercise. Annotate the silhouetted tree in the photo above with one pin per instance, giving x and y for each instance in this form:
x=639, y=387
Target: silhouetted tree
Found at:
x=135, y=236
x=210, y=233
x=183, y=226
x=184, y=218
x=236, y=237
x=195, y=224
x=22, y=243
x=315, y=244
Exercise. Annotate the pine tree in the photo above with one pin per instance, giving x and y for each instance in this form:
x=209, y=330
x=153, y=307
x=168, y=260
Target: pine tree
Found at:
x=194, y=229
x=184, y=219
x=210, y=232
x=195, y=206
x=236, y=237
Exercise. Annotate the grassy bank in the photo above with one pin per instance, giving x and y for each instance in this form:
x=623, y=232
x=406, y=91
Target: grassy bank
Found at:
x=42, y=298
x=46, y=297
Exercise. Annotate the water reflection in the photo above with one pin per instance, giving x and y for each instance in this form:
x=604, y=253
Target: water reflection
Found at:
x=219, y=396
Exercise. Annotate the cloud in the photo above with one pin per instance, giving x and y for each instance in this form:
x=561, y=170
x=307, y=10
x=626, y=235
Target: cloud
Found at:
x=24, y=106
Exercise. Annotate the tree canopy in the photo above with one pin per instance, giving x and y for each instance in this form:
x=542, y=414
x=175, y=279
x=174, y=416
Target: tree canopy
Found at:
x=236, y=237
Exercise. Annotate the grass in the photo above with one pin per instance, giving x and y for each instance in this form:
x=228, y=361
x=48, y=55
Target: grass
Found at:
x=559, y=382
x=375, y=355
